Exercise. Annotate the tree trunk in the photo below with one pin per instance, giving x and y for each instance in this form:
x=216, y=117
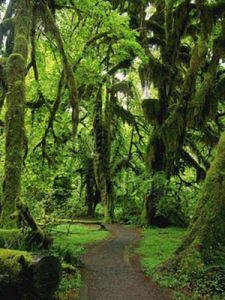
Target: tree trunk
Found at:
x=207, y=232
x=102, y=130
x=16, y=69
x=156, y=191
x=28, y=277
x=93, y=196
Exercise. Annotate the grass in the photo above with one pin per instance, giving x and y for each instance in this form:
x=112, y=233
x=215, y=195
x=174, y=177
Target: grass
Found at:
x=79, y=235
x=158, y=246
x=71, y=247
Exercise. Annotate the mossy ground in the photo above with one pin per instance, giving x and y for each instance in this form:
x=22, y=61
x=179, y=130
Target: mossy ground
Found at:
x=158, y=246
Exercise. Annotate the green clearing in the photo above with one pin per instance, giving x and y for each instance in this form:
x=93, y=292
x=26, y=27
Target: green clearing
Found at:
x=79, y=236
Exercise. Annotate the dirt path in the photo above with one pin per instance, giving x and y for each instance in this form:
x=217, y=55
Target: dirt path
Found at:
x=108, y=274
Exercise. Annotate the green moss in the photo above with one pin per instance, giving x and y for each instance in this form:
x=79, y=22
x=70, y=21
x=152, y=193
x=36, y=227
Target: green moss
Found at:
x=52, y=27
x=151, y=108
x=68, y=268
x=10, y=266
x=21, y=46
x=16, y=67
x=8, y=236
x=206, y=234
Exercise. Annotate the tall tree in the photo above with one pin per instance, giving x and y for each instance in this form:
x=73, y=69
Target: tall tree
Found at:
x=15, y=128
x=206, y=234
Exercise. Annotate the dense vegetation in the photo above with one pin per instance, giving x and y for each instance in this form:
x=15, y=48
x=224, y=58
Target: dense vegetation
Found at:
x=114, y=110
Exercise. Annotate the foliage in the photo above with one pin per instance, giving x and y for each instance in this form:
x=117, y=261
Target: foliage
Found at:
x=157, y=247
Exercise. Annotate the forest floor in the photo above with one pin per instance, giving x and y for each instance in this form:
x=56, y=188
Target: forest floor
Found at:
x=110, y=274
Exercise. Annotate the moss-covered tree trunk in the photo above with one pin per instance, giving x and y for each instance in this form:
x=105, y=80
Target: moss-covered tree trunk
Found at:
x=207, y=232
x=102, y=129
x=16, y=68
x=93, y=196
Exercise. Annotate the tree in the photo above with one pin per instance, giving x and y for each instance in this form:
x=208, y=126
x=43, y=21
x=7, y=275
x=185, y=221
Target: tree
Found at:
x=15, y=128
x=206, y=233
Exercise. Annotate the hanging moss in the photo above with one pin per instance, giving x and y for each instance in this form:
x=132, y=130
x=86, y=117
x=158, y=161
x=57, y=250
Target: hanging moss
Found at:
x=51, y=27
x=124, y=114
x=173, y=129
x=151, y=108
x=204, y=104
x=5, y=26
x=122, y=87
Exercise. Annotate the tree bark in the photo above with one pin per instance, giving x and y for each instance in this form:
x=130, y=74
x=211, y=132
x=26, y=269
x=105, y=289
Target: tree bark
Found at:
x=16, y=69
x=102, y=131
x=207, y=232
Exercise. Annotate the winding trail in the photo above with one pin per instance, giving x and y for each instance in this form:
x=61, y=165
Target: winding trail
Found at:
x=108, y=274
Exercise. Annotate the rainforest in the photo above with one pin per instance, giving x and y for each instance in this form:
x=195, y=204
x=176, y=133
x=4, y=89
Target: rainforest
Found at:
x=112, y=149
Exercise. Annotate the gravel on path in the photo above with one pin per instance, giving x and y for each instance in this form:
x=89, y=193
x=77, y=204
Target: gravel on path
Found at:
x=108, y=275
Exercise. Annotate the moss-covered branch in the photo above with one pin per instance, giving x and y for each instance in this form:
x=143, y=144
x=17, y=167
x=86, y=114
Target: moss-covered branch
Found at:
x=51, y=26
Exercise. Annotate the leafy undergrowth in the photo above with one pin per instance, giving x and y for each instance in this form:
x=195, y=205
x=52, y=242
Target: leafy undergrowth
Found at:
x=69, y=243
x=157, y=248
x=69, y=286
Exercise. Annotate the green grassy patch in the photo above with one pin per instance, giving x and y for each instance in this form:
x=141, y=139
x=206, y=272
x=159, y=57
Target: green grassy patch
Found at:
x=78, y=235
x=158, y=246
x=71, y=247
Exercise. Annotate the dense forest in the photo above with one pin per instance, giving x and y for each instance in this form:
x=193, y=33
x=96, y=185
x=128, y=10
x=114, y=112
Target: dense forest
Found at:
x=112, y=112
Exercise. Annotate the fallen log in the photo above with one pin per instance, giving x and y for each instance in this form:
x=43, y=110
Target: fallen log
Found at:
x=82, y=222
x=24, y=276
